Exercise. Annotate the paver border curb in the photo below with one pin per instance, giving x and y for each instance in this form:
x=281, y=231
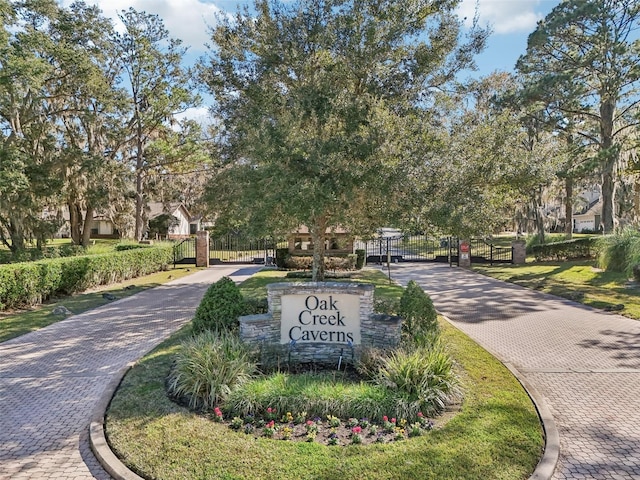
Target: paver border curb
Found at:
x=547, y=464
x=97, y=438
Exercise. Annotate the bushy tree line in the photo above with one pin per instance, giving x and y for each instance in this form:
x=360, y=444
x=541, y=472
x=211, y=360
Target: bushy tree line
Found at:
x=87, y=119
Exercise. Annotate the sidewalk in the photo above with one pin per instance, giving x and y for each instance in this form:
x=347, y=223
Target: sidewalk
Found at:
x=585, y=363
x=52, y=379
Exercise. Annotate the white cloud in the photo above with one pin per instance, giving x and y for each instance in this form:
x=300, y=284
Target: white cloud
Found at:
x=505, y=16
x=187, y=20
x=199, y=114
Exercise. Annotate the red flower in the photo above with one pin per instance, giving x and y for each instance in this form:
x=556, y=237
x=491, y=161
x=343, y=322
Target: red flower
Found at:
x=385, y=419
x=271, y=424
x=356, y=429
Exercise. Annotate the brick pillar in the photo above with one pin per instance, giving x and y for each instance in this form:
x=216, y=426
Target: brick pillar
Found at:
x=519, y=249
x=464, y=254
x=202, y=248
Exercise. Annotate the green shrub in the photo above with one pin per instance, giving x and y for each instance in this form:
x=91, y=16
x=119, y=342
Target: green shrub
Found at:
x=220, y=307
x=298, y=262
x=423, y=376
x=534, y=240
x=281, y=257
x=305, y=262
x=360, y=258
x=419, y=314
x=386, y=306
x=566, y=250
x=34, y=254
x=208, y=367
x=253, y=306
x=129, y=246
x=620, y=252
x=24, y=284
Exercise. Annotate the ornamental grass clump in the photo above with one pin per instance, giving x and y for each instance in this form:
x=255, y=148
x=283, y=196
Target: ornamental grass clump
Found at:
x=209, y=367
x=422, y=376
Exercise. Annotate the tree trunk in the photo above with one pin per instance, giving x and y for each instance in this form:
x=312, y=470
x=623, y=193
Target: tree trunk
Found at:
x=16, y=234
x=607, y=108
x=75, y=218
x=318, y=234
x=538, y=216
x=636, y=201
x=568, y=206
x=86, y=228
x=139, y=202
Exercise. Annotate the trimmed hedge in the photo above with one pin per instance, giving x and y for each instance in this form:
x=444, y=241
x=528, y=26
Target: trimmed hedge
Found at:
x=567, y=250
x=305, y=262
x=33, y=254
x=24, y=284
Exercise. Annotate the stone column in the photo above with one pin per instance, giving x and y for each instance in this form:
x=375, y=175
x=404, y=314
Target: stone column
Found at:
x=202, y=248
x=519, y=249
x=464, y=254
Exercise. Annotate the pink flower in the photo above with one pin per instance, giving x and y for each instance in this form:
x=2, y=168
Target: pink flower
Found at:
x=385, y=419
x=309, y=422
x=393, y=420
x=356, y=429
x=271, y=424
x=420, y=414
x=217, y=411
x=271, y=410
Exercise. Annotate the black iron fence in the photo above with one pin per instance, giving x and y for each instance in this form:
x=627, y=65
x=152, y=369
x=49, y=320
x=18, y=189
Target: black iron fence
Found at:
x=402, y=248
x=422, y=248
x=184, y=252
x=239, y=249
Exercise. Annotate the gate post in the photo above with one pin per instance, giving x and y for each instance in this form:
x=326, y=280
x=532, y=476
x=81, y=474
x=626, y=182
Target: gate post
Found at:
x=518, y=252
x=202, y=248
x=464, y=254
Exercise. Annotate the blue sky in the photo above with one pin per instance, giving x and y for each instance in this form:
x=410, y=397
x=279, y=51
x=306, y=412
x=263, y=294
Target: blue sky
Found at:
x=511, y=20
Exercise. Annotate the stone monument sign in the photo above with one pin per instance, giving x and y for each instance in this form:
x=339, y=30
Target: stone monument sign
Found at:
x=319, y=322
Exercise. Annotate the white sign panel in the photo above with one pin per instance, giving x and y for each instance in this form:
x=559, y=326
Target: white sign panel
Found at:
x=320, y=318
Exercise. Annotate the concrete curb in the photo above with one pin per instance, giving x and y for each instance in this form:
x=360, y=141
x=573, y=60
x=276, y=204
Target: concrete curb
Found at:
x=97, y=438
x=547, y=464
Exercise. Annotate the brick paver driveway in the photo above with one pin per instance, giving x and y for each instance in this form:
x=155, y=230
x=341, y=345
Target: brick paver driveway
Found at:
x=586, y=364
x=51, y=379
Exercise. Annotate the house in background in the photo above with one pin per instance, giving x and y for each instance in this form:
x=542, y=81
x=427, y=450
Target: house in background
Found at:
x=170, y=221
x=588, y=220
x=102, y=227
x=166, y=221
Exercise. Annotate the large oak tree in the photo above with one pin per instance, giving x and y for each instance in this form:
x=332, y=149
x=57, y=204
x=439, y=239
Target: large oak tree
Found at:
x=323, y=106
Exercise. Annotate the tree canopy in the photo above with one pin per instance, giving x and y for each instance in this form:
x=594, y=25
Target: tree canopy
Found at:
x=583, y=63
x=322, y=105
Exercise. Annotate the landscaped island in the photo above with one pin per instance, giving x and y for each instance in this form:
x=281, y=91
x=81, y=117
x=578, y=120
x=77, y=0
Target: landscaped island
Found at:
x=378, y=417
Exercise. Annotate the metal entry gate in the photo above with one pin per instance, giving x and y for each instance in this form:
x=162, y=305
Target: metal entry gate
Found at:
x=422, y=248
x=240, y=249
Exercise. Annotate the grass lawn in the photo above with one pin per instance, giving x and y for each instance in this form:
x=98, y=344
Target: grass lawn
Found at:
x=16, y=323
x=580, y=281
x=496, y=434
